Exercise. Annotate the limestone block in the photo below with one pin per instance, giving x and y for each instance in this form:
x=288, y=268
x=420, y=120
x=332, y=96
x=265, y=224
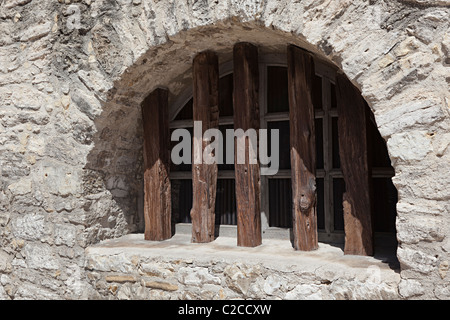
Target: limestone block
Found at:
x=409, y=146
x=273, y=283
x=442, y=292
x=117, y=263
x=58, y=178
x=37, y=31
x=3, y=294
x=443, y=269
x=86, y=103
x=343, y=289
x=446, y=47
x=94, y=80
x=21, y=187
x=424, y=181
x=65, y=234
x=31, y=227
x=5, y=262
x=30, y=291
x=196, y=276
x=156, y=269
x=13, y=3
x=161, y=285
x=409, y=288
x=125, y=292
x=411, y=229
x=159, y=295
x=409, y=114
x=40, y=256
x=305, y=292
x=416, y=260
x=239, y=277
x=120, y=278
x=23, y=97
x=4, y=218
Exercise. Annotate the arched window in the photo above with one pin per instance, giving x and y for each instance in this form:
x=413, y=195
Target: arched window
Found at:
x=276, y=190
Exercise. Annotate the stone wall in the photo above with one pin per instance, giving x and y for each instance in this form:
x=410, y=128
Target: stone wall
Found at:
x=72, y=75
x=130, y=268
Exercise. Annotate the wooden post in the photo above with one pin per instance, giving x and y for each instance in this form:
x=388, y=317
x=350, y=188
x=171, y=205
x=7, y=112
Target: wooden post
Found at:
x=303, y=151
x=204, y=176
x=246, y=116
x=354, y=163
x=157, y=200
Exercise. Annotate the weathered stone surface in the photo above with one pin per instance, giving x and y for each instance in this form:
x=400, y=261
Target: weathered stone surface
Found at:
x=23, y=97
x=120, y=278
x=443, y=269
x=37, y=31
x=157, y=269
x=40, y=256
x=65, y=234
x=28, y=291
x=70, y=137
x=20, y=187
x=347, y=290
x=410, y=288
x=239, y=277
x=166, y=286
x=118, y=263
x=31, y=227
x=417, y=113
x=424, y=229
x=13, y=3
x=416, y=260
x=409, y=146
x=125, y=292
x=305, y=292
x=274, y=283
x=5, y=262
x=196, y=276
x=258, y=278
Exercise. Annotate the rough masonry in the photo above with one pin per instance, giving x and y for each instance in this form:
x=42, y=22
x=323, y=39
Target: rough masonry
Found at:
x=72, y=76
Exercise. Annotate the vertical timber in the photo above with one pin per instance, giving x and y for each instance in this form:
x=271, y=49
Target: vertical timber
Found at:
x=157, y=193
x=303, y=151
x=246, y=116
x=204, y=175
x=352, y=130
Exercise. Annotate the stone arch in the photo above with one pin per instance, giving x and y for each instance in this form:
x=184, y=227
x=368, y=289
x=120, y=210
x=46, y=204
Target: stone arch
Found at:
x=394, y=52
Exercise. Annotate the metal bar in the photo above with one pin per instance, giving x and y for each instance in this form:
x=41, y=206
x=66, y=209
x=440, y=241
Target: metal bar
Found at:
x=327, y=157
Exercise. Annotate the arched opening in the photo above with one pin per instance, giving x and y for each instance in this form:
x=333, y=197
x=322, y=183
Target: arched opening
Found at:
x=276, y=190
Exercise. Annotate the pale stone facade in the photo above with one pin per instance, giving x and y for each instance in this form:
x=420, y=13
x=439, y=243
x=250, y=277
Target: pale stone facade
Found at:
x=72, y=76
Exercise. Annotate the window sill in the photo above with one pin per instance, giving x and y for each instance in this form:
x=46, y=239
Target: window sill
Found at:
x=130, y=267
x=273, y=253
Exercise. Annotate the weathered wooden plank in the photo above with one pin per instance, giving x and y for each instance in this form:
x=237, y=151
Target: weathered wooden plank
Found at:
x=204, y=176
x=157, y=193
x=246, y=116
x=354, y=163
x=303, y=154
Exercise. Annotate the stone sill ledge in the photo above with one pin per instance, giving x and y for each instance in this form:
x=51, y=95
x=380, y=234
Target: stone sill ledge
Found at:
x=273, y=253
x=130, y=267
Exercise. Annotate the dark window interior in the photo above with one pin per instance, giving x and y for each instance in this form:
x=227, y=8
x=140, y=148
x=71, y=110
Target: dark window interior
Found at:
x=280, y=188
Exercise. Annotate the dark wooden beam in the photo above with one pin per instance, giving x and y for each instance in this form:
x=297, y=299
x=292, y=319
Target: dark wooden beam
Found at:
x=246, y=116
x=303, y=151
x=157, y=198
x=352, y=128
x=204, y=176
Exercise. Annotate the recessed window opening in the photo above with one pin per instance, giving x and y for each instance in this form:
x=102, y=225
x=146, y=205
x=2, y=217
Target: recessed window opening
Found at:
x=276, y=190
x=333, y=166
